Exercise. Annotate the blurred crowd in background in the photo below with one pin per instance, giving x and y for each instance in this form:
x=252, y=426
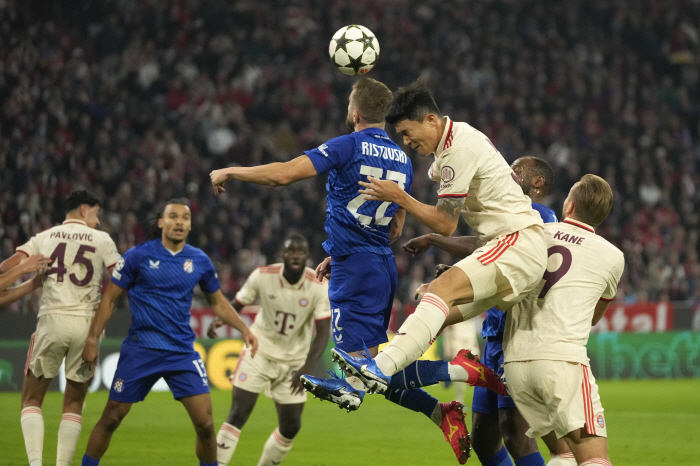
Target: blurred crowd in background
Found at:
x=138, y=100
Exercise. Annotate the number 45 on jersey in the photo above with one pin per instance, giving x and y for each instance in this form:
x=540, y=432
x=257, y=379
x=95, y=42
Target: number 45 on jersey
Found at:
x=379, y=218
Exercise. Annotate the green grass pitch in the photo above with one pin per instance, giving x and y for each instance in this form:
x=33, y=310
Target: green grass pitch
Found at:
x=649, y=422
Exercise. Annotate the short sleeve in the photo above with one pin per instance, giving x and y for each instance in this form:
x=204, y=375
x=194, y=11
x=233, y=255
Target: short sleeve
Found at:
x=30, y=248
x=110, y=255
x=434, y=173
x=457, y=168
x=613, y=280
x=209, y=282
x=323, y=305
x=334, y=153
x=126, y=269
x=250, y=289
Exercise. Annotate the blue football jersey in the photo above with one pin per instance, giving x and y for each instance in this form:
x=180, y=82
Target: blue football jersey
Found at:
x=160, y=287
x=495, y=321
x=354, y=224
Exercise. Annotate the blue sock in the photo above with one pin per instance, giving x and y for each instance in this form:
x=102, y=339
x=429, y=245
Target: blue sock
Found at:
x=499, y=459
x=417, y=400
x=533, y=459
x=202, y=463
x=420, y=374
x=87, y=461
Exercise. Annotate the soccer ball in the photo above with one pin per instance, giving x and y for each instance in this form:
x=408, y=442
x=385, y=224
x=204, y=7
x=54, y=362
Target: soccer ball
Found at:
x=354, y=49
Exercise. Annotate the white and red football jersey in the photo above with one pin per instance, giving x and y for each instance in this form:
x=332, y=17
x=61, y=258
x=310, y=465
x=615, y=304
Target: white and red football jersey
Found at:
x=468, y=166
x=79, y=255
x=284, y=324
x=554, y=321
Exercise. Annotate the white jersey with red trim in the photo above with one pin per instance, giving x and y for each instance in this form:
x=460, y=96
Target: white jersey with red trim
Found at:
x=554, y=321
x=79, y=255
x=285, y=321
x=468, y=166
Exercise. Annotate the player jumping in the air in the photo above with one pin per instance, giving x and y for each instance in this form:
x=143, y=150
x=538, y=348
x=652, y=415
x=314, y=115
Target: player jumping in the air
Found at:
x=477, y=182
x=160, y=276
x=494, y=416
x=544, y=343
x=79, y=255
x=364, y=278
x=292, y=303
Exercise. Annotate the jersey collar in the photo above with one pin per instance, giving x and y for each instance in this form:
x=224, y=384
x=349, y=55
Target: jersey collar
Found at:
x=579, y=224
x=446, y=139
x=284, y=283
x=74, y=220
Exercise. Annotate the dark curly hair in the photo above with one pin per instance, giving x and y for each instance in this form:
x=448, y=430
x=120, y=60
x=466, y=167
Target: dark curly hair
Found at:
x=412, y=102
x=79, y=197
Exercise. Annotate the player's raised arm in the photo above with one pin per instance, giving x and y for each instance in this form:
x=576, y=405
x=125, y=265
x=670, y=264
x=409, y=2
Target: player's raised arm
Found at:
x=273, y=174
x=35, y=263
x=223, y=309
x=459, y=246
x=99, y=322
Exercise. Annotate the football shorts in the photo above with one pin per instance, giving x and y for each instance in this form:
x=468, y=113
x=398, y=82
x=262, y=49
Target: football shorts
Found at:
x=487, y=401
x=557, y=396
x=269, y=375
x=361, y=292
x=140, y=368
x=60, y=336
x=504, y=270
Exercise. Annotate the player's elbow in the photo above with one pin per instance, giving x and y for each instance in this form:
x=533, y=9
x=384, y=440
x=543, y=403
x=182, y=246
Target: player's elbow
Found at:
x=280, y=179
x=446, y=229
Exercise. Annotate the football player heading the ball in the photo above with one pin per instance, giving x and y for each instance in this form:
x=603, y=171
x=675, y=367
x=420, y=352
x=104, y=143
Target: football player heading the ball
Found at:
x=160, y=276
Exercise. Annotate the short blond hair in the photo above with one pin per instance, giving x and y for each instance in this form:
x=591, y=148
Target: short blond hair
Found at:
x=372, y=99
x=593, y=199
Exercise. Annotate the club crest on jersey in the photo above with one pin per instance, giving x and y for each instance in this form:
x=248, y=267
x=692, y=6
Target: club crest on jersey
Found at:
x=242, y=377
x=303, y=302
x=600, y=420
x=188, y=266
x=119, y=386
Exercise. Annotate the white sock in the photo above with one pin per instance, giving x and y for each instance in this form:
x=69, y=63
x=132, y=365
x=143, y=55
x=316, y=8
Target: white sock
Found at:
x=460, y=389
x=276, y=448
x=226, y=443
x=596, y=462
x=356, y=383
x=436, y=416
x=415, y=335
x=457, y=373
x=33, y=431
x=565, y=459
x=68, y=435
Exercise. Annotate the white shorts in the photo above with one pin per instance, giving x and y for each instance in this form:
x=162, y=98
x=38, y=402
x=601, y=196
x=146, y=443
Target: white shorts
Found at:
x=262, y=373
x=60, y=336
x=504, y=270
x=557, y=396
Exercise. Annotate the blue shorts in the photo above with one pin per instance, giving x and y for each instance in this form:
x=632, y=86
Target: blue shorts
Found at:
x=487, y=401
x=361, y=292
x=139, y=368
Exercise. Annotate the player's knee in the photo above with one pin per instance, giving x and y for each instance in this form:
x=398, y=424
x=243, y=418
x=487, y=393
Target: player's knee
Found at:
x=517, y=443
x=290, y=428
x=111, y=420
x=205, y=428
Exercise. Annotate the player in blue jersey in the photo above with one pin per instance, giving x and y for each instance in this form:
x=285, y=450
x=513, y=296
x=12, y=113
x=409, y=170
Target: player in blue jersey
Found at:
x=495, y=417
x=160, y=276
x=364, y=277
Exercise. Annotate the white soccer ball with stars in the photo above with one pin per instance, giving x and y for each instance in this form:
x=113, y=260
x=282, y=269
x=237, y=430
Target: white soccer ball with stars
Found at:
x=354, y=49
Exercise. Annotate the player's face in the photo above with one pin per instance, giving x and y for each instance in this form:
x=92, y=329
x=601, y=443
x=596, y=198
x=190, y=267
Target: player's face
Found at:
x=350, y=119
x=92, y=216
x=176, y=222
x=422, y=136
x=295, y=255
x=523, y=170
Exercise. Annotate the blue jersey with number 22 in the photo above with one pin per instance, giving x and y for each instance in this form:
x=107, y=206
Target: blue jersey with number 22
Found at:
x=354, y=224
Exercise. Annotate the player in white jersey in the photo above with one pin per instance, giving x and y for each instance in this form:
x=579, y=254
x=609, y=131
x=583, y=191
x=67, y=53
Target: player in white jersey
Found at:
x=477, y=182
x=546, y=364
x=78, y=254
x=292, y=303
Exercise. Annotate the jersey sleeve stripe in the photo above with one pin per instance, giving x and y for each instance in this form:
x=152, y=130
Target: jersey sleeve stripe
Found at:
x=323, y=318
x=452, y=195
x=606, y=299
x=22, y=251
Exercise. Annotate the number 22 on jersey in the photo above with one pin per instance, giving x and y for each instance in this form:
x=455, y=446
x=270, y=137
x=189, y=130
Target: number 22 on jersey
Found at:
x=358, y=201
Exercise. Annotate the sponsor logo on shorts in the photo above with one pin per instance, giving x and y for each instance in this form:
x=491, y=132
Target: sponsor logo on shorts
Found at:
x=303, y=302
x=600, y=420
x=242, y=377
x=188, y=266
x=119, y=386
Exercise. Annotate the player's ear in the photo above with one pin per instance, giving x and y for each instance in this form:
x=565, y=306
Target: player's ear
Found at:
x=538, y=181
x=160, y=222
x=83, y=209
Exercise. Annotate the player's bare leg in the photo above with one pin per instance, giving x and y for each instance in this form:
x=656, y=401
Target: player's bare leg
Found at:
x=560, y=453
x=280, y=442
x=486, y=435
x=112, y=416
x=587, y=447
x=71, y=421
x=513, y=427
x=242, y=404
x=199, y=409
x=33, y=392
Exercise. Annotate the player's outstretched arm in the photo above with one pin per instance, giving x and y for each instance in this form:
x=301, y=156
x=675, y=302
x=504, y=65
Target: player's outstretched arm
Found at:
x=99, y=322
x=441, y=218
x=273, y=174
x=19, y=267
x=459, y=246
x=318, y=346
x=223, y=309
x=11, y=295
